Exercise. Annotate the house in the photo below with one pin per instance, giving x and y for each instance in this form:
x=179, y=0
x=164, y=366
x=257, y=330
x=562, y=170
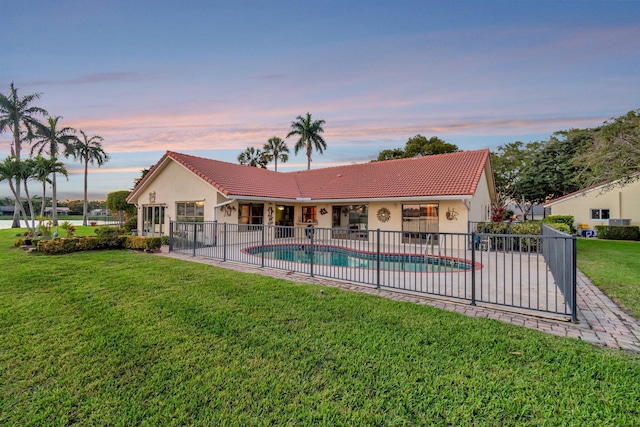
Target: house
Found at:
x=603, y=204
x=418, y=196
x=99, y=212
x=61, y=211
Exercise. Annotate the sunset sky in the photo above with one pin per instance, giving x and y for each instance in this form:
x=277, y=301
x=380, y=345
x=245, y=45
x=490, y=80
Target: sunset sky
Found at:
x=210, y=78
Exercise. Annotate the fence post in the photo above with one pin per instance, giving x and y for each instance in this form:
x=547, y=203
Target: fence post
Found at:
x=170, y=236
x=378, y=258
x=574, y=281
x=311, y=249
x=224, y=242
x=473, y=268
x=195, y=238
x=262, y=251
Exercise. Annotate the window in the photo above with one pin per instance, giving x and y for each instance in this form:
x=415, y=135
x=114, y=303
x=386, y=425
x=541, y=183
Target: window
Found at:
x=309, y=214
x=250, y=214
x=190, y=211
x=419, y=221
x=599, y=213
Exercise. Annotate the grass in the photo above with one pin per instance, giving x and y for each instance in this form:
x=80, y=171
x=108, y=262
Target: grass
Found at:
x=613, y=266
x=125, y=338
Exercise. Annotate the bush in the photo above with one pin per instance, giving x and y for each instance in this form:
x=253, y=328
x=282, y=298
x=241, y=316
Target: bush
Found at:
x=560, y=226
x=618, y=232
x=145, y=243
x=561, y=219
x=89, y=243
x=131, y=224
x=164, y=239
x=512, y=230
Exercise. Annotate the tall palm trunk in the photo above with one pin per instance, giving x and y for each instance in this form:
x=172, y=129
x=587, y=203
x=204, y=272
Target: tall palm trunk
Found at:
x=44, y=198
x=309, y=156
x=85, y=205
x=18, y=204
x=54, y=201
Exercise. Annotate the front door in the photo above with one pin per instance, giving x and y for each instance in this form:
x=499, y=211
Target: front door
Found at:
x=284, y=221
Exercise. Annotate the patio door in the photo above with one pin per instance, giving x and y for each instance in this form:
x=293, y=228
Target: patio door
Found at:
x=153, y=220
x=420, y=223
x=284, y=221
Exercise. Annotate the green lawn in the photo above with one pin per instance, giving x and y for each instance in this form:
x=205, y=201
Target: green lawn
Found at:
x=613, y=266
x=125, y=338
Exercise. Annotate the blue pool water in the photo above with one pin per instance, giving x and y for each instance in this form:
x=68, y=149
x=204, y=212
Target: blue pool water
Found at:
x=341, y=257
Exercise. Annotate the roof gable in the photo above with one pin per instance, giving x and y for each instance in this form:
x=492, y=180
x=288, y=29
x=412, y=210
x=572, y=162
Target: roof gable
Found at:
x=452, y=174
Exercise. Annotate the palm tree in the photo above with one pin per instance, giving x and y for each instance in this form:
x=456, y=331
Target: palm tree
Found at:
x=53, y=141
x=253, y=157
x=88, y=150
x=276, y=149
x=19, y=117
x=43, y=167
x=16, y=171
x=310, y=138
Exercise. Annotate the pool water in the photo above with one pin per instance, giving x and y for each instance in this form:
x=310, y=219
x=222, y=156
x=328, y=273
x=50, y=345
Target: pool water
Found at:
x=341, y=257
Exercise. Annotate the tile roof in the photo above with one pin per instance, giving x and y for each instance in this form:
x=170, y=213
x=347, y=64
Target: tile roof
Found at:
x=452, y=174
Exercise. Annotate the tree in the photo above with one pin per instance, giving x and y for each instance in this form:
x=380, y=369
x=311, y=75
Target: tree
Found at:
x=253, y=157
x=276, y=149
x=418, y=146
x=53, y=141
x=509, y=161
x=614, y=155
x=309, y=132
x=117, y=204
x=16, y=172
x=43, y=168
x=19, y=116
x=143, y=173
x=87, y=150
x=552, y=171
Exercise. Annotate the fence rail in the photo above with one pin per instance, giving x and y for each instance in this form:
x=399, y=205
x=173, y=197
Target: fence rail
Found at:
x=524, y=272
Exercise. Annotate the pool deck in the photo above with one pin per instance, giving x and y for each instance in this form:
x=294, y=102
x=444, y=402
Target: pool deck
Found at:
x=600, y=320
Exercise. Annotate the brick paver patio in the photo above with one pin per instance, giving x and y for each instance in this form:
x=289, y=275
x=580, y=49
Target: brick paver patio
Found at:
x=600, y=320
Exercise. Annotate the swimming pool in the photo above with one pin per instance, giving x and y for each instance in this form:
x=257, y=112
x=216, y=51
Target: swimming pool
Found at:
x=343, y=257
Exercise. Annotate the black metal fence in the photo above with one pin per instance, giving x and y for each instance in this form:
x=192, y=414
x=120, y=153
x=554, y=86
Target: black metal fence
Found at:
x=520, y=272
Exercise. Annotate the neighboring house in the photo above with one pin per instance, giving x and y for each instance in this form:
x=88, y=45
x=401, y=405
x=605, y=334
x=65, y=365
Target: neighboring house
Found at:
x=535, y=213
x=598, y=205
x=417, y=196
x=99, y=212
x=6, y=210
x=61, y=211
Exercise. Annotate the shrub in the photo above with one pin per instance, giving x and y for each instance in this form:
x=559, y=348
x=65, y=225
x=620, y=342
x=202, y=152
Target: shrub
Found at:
x=58, y=246
x=164, y=239
x=512, y=230
x=145, y=243
x=68, y=228
x=88, y=243
x=131, y=224
x=561, y=219
x=18, y=243
x=618, y=232
x=560, y=226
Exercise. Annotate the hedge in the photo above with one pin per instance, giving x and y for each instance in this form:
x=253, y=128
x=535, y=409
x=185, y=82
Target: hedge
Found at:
x=88, y=243
x=618, y=232
x=561, y=219
x=513, y=230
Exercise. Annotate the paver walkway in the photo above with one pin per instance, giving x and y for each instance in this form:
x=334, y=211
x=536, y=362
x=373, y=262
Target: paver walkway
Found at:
x=600, y=320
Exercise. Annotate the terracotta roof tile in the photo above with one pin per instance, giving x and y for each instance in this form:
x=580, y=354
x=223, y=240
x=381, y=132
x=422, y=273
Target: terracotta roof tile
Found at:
x=450, y=174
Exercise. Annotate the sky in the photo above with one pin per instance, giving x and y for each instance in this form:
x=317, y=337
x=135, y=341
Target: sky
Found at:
x=211, y=78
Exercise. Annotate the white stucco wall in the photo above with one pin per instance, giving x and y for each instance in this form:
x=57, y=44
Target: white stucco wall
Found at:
x=480, y=203
x=176, y=184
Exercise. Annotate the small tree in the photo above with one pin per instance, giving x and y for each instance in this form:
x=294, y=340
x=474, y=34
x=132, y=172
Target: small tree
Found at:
x=118, y=206
x=253, y=157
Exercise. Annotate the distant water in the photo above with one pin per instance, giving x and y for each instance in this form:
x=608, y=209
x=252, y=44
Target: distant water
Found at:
x=6, y=223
